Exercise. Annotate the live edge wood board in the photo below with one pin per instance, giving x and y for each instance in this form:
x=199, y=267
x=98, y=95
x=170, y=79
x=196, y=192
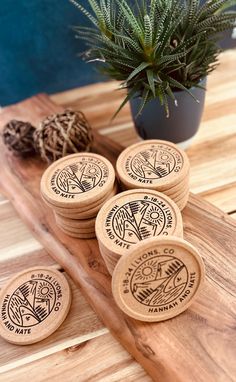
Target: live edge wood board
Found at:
x=199, y=345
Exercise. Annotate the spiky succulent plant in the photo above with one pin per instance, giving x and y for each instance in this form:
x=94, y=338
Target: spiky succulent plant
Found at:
x=155, y=47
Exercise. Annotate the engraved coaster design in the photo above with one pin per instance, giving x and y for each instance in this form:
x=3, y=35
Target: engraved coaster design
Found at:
x=33, y=305
x=77, y=180
x=135, y=215
x=80, y=176
x=153, y=163
x=140, y=219
x=157, y=279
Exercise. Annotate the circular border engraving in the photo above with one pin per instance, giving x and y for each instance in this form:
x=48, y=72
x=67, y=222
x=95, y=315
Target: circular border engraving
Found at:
x=136, y=215
x=153, y=164
x=33, y=305
x=77, y=180
x=158, y=279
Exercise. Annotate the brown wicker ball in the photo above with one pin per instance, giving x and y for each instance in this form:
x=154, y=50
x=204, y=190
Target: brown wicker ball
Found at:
x=62, y=134
x=18, y=137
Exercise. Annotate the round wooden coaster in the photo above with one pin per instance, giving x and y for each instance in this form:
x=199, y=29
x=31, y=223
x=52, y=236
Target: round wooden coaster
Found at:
x=77, y=235
x=107, y=262
x=152, y=164
x=180, y=194
x=90, y=230
x=136, y=215
x=158, y=279
x=77, y=180
x=84, y=224
x=79, y=231
x=33, y=305
x=183, y=187
x=183, y=202
x=88, y=214
x=81, y=216
x=91, y=214
x=180, y=198
x=169, y=191
x=175, y=189
x=75, y=211
x=112, y=257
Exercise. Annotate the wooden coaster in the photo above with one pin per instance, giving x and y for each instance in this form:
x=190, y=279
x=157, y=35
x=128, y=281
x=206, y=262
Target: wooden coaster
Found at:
x=183, y=187
x=180, y=198
x=77, y=235
x=152, y=164
x=88, y=214
x=135, y=215
x=111, y=256
x=87, y=208
x=183, y=202
x=107, y=261
x=79, y=231
x=158, y=279
x=33, y=305
x=77, y=180
x=178, y=186
x=169, y=191
x=86, y=224
x=91, y=214
x=180, y=194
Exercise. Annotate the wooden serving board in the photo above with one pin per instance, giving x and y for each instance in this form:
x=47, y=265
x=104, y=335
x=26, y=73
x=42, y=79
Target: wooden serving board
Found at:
x=198, y=345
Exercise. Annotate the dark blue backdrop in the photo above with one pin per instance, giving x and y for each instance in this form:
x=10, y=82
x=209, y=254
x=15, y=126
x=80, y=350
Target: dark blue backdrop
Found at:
x=38, y=52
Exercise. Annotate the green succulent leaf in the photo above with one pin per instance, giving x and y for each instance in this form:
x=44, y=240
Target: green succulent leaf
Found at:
x=150, y=77
x=145, y=97
x=131, y=19
x=130, y=94
x=85, y=12
x=148, y=32
x=138, y=70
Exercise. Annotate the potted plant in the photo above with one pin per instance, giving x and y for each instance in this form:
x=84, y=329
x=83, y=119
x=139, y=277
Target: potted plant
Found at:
x=162, y=51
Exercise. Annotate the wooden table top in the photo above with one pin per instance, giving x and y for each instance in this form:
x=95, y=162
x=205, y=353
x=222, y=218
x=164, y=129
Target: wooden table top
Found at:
x=83, y=349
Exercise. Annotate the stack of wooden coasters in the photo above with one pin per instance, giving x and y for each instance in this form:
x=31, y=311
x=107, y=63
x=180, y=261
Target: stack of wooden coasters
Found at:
x=76, y=187
x=132, y=216
x=158, y=279
x=157, y=165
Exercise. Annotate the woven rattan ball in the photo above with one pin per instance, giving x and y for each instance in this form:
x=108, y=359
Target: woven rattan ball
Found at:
x=18, y=137
x=61, y=134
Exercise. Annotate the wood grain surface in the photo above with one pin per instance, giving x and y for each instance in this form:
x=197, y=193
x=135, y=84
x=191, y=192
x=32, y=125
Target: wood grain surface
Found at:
x=91, y=360
x=198, y=345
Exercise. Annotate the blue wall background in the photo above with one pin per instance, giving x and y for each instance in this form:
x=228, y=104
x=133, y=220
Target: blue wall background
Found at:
x=38, y=51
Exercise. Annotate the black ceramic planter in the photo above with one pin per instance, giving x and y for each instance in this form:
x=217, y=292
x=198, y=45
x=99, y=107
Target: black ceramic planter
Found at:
x=182, y=124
